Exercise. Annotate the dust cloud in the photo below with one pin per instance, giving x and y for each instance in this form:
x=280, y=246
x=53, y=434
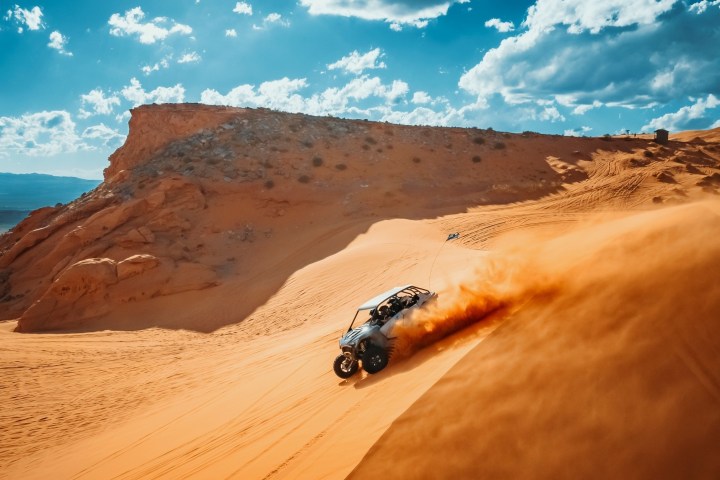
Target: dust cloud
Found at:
x=532, y=268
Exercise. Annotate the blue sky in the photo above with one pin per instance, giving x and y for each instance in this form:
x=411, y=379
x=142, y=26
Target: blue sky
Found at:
x=72, y=70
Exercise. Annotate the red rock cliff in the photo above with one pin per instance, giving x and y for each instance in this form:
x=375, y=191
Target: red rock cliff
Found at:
x=153, y=127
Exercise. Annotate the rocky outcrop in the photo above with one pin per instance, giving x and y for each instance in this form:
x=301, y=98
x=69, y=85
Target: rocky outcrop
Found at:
x=91, y=288
x=111, y=247
x=79, y=293
x=153, y=128
x=136, y=265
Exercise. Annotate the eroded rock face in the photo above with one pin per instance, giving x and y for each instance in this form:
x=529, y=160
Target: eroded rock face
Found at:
x=91, y=288
x=136, y=265
x=137, y=236
x=79, y=291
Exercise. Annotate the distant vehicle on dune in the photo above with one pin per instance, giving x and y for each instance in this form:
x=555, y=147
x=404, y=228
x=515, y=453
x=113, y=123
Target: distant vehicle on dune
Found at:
x=370, y=344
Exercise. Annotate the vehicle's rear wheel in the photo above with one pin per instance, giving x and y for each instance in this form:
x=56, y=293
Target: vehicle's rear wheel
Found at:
x=374, y=359
x=345, y=367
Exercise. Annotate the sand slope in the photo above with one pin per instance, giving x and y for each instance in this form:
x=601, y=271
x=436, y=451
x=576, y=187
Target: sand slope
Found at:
x=198, y=295
x=244, y=402
x=610, y=366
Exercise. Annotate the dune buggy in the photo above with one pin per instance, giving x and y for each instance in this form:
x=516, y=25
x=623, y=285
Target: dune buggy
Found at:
x=370, y=344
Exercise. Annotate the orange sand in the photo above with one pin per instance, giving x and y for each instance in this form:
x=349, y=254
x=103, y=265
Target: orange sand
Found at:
x=197, y=310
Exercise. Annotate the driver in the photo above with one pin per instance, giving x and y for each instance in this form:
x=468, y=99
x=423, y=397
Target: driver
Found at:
x=396, y=305
x=382, y=314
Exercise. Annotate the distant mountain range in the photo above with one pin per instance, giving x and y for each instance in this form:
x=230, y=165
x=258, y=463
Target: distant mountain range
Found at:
x=20, y=194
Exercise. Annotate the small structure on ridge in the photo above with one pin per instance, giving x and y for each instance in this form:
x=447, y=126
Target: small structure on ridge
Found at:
x=661, y=136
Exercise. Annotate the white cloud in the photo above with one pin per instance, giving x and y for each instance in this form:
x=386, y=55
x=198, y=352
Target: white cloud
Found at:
x=357, y=63
x=58, y=41
x=417, y=116
x=336, y=100
x=420, y=98
x=123, y=117
x=150, y=32
x=240, y=96
x=243, y=8
x=137, y=95
x=576, y=132
x=397, y=13
x=547, y=113
x=48, y=134
x=98, y=102
x=362, y=96
x=106, y=135
x=283, y=95
x=39, y=134
x=446, y=116
x=278, y=94
x=690, y=117
x=551, y=114
x=32, y=19
x=583, y=109
x=615, y=52
x=162, y=64
x=397, y=90
x=581, y=15
x=499, y=25
x=230, y=32
x=272, y=19
x=191, y=57
x=700, y=7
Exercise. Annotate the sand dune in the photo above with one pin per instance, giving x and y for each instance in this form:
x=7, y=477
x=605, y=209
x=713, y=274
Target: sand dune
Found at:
x=698, y=136
x=610, y=366
x=198, y=295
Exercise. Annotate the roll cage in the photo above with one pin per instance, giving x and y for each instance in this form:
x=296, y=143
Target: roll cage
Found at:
x=410, y=292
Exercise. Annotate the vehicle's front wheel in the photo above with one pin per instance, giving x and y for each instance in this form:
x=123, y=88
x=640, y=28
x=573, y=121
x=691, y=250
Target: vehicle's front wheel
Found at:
x=374, y=359
x=345, y=367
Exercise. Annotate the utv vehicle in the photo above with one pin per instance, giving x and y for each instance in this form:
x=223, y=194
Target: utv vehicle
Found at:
x=370, y=344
